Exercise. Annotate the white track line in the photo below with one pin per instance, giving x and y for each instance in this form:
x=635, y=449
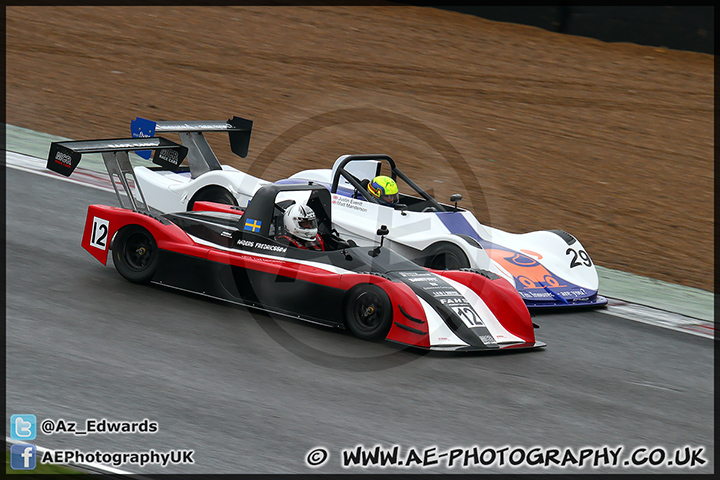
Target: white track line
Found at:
x=630, y=311
x=660, y=318
x=35, y=165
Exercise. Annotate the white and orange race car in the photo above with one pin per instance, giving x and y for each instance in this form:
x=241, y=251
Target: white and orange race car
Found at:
x=549, y=268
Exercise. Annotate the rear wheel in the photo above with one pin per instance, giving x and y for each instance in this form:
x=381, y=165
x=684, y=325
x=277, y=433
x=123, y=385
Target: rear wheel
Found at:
x=213, y=194
x=368, y=312
x=135, y=254
x=445, y=256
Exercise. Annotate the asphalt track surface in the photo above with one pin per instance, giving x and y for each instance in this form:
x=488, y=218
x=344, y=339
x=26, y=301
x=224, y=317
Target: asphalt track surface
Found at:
x=252, y=394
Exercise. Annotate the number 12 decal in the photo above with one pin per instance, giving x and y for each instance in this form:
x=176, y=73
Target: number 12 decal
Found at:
x=99, y=234
x=468, y=315
x=583, y=256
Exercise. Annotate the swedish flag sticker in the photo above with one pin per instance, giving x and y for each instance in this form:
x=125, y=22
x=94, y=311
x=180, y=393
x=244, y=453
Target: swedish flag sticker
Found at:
x=252, y=225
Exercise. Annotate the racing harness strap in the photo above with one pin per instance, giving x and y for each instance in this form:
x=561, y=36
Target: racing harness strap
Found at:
x=318, y=244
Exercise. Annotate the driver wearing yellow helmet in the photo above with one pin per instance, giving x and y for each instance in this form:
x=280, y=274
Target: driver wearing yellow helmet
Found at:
x=384, y=189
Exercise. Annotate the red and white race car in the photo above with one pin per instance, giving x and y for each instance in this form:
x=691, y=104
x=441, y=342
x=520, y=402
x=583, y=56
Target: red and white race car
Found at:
x=234, y=254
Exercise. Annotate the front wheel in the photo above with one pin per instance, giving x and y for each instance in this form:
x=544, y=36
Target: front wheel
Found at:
x=445, y=256
x=135, y=254
x=368, y=312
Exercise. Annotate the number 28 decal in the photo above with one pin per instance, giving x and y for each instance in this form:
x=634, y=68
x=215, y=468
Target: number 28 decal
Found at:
x=99, y=233
x=582, y=254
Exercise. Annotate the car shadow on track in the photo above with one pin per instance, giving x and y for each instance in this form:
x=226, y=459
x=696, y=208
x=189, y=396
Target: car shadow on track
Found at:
x=336, y=347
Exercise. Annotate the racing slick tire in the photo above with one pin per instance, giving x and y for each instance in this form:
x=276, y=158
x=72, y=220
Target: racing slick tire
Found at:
x=368, y=312
x=213, y=193
x=135, y=254
x=444, y=256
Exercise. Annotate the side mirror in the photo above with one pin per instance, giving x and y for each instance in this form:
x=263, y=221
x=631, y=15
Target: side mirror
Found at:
x=382, y=231
x=456, y=197
x=402, y=207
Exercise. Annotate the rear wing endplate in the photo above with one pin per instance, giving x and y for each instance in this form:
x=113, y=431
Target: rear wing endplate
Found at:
x=201, y=158
x=65, y=156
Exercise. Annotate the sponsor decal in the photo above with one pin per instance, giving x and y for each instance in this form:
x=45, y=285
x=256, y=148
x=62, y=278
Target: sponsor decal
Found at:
x=445, y=293
x=487, y=339
x=419, y=279
x=170, y=156
x=579, y=293
x=63, y=159
x=451, y=300
x=417, y=274
x=143, y=128
x=522, y=260
x=167, y=158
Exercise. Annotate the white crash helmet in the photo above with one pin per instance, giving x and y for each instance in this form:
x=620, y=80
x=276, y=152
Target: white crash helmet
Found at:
x=301, y=222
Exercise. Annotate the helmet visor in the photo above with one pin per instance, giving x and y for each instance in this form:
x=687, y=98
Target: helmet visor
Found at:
x=307, y=223
x=391, y=199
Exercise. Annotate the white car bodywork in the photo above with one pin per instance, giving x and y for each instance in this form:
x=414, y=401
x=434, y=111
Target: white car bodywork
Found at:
x=169, y=191
x=548, y=268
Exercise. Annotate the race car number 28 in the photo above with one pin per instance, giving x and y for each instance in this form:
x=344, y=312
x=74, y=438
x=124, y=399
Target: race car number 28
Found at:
x=99, y=234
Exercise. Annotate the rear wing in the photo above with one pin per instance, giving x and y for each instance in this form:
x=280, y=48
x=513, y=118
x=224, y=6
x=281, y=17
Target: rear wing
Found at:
x=65, y=156
x=201, y=158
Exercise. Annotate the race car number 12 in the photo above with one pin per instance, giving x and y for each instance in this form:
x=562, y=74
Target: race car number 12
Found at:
x=468, y=315
x=98, y=238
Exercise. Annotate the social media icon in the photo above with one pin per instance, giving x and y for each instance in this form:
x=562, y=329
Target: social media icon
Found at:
x=23, y=456
x=23, y=427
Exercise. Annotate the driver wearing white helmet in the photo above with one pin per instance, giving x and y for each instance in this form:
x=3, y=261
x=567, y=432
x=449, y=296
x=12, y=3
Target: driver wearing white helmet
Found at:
x=301, y=228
